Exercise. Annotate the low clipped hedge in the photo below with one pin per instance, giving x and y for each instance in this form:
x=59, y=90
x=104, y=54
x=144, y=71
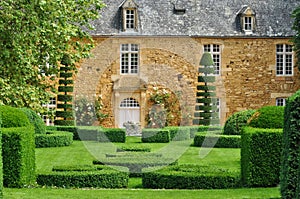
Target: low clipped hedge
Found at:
x=136, y=162
x=190, y=177
x=235, y=123
x=35, y=120
x=260, y=156
x=197, y=129
x=13, y=117
x=271, y=117
x=18, y=156
x=155, y=136
x=72, y=129
x=178, y=133
x=134, y=149
x=53, y=139
x=113, y=135
x=210, y=139
x=104, y=178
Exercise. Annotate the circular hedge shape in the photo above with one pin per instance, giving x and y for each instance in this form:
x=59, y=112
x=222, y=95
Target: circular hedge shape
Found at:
x=236, y=122
x=13, y=117
x=35, y=120
x=268, y=117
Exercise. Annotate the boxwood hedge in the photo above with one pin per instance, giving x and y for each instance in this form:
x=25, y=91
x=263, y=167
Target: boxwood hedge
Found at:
x=190, y=177
x=18, y=156
x=268, y=117
x=260, y=156
x=235, y=123
x=178, y=133
x=13, y=117
x=104, y=178
x=211, y=139
x=155, y=136
x=1, y=164
x=35, y=120
x=53, y=139
x=197, y=129
x=290, y=165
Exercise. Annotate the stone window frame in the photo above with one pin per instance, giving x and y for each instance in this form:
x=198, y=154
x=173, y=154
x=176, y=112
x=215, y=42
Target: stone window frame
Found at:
x=284, y=60
x=281, y=101
x=248, y=19
x=129, y=59
x=49, y=106
x=215, y=51
x=129, y=16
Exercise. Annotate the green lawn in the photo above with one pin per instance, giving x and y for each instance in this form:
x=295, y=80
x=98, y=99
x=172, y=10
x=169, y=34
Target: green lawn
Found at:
x=85, y=152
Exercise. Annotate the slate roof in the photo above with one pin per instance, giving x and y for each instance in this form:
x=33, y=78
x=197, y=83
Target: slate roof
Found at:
x=216, y=18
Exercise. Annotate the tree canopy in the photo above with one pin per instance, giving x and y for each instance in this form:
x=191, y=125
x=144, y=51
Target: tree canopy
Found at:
x=35, y=35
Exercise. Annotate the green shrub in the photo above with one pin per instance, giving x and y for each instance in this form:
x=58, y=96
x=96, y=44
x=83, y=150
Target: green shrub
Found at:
x=1, y=164
x=290, y=165
x=235, y=123
x=89, y=133
x=260, y=156
x=134, y=149
x=51, y=128
x=190, y=177
x=178, y=133
x=18, y=156
x=72, y=129
x=79, y=168
x=35, y=120
x=155, y=135
x=196, y=129
x=53, y=139
x=136, y=162
x=64, y=122
x=113, y=135
x=268, y=117
x=13, y=117
x=105, y=178
x=211, y=139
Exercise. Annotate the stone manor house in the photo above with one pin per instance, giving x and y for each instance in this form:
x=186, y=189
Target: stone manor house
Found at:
x=142, y=45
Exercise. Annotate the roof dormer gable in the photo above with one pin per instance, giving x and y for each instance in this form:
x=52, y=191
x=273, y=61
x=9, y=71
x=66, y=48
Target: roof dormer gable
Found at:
x=128, y=4
x=247, y=19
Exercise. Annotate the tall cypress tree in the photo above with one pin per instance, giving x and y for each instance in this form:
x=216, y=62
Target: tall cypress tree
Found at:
x=206, y=109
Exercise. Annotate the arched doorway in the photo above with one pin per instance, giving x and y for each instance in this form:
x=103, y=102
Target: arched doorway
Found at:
x=129, y=111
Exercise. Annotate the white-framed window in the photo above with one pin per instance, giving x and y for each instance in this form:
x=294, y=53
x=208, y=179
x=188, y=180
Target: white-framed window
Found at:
x=130, y=19
x=129, y=103
x=129, y=59
x=280, y=101
x=284, y=60
x=129, y=111
x=50, y=108
x=248, y=23
x=215, y=51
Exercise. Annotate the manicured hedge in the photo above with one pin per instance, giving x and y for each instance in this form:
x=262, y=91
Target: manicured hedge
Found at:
x=13, y=117
x=190, y=177
x=53, y=139
x=35, y=120
x=1, y=164
x=72, y=129
x=105, y=178
x=196, y=129
x=155, y=135
x=94, y=133
x=18, y=156
x=114, y=135
x=136, y=162
x=210, y=139
x=178, y=133
x=260, y=156
x=235, y=123
x=290, y=165
x=64, y=122
x=268, y=117
x=134, y=149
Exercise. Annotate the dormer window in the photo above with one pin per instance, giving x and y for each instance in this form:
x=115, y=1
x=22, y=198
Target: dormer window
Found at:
x=129, y=16
x=247, y=20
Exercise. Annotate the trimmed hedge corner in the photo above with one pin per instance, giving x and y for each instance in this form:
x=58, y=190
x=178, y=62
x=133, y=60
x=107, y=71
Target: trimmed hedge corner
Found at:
x=155, y=136
x=18, y=156
x=260, y=157
x=190, y=177
x=178, y=133
x=290, y=165
x=53, y=139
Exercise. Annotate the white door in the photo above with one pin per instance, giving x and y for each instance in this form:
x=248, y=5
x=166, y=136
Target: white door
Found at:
x=129, y=111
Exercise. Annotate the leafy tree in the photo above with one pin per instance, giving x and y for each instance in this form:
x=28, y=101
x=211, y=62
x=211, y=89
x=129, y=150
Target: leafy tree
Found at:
x=296, y=39
x=34, y=37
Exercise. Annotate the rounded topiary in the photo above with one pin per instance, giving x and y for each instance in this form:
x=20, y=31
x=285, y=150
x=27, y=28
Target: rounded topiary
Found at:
x=235, y=123
x=268, y=117
x=13, y=117
x=35, y=120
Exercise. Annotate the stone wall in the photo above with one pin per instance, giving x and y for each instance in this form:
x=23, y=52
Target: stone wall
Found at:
x=247, y=79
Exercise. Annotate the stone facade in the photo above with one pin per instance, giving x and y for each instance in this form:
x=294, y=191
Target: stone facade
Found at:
x=247, y=80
